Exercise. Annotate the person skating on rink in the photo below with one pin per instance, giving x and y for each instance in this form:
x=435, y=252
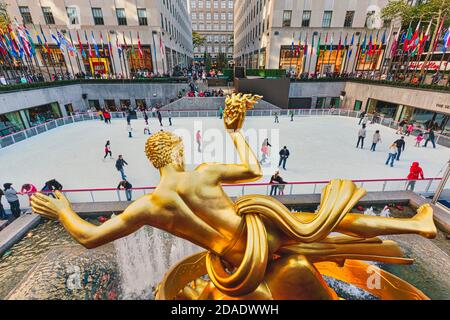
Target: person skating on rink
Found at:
x=415, y=173
x=361, y=136
x=220, y=112
x=409, y=129
x=147, y=131
x=158, y=113
x=401, y=125
x=169, y=115
x=120, y=164
x=265, y=150
x=107, y=116
x=392, y=154
x=401, y=144
x=130, y=131
x=198, y=139
x=100, y=115
x=365, y=120
x=108, y=150
x=276, y=117
x=376, y=139
x=291, y=113
x=284, y=155
x=125, y=185
x=419, y=139
x=361, y=117
x=431, y=137
x=146, y=118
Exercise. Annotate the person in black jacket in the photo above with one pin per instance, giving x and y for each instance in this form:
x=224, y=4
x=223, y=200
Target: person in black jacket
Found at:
x=361, y=117
x=120, y=163
x=431, y=138
x=2, y=210
x=400, y=143
x=284, y=155
x=275, y=181
x=124, y=184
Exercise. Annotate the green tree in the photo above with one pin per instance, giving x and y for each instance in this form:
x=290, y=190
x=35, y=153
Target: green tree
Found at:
x=222, y=61
x=198, y=40
x=4, y=17
x=207, y=61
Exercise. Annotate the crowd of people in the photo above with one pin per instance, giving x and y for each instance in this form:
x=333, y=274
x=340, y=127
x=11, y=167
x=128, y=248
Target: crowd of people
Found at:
x=12, y=197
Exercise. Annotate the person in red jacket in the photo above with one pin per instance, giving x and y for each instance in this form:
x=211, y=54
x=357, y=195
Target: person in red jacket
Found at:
x=415, y=173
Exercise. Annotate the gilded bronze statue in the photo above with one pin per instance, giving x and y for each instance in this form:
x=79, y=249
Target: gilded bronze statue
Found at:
x=255, y=247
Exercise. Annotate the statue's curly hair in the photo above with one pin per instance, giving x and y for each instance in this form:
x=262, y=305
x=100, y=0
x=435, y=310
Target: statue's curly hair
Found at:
x=163, y=148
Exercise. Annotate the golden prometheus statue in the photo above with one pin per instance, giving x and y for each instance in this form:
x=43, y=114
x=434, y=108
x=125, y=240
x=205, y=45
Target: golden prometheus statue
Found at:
x=255, y=247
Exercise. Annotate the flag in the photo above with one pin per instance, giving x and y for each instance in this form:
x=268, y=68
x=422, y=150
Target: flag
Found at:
x=299, y=44
x=103, y=44
x=131, y=43
x=38, y=37
x=339, y=48
x=141, y=54
x=30, y=40
x=109, y=45
x=48, y=50
x=425, y=38
x=318, y=45
x=97, y=51
x=292, y=45
x=331, y=44
x=438, y=33
x=407, y=39
x=91, y=55
x=13, y=42
x=350, y=52
x=446, y=41
x=305, y=46
x=80, y=45
x=312, y=46
x=364, y=44
x=119, y=47
x=370, y=46
x=395, y=44
x=73, y=50
x=58, y=43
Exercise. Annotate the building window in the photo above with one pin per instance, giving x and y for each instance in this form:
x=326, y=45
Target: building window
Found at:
x=287, y=15
x=216, y=4
x=348, y=23
x=26, y=15
x=121, y=18
x=98, y=16
x=208, y=4
x=142, y=16
x=326, y=22
x=48, y=15
x=193, y=4
x=230, y=16
x=306, y=18
x=230, y=4
x=72, y=14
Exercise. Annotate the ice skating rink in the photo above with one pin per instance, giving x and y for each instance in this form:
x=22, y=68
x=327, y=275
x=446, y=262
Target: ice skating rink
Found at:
x=321, y=148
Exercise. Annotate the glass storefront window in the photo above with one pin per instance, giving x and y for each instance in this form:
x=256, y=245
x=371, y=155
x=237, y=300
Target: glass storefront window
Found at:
x=320, y=103
x=42, y=114
x=330, y=61
x=94, y=104
x=358, y=105
x=335, y=102
x=110, y=104
x=10, y=122
x=291, y=60
x=369, y=62
x=141, y=104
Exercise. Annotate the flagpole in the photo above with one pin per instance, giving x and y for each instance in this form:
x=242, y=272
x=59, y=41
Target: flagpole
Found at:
x=357, y=54
x=433, y=43
x=311, y=55
x=131, y=56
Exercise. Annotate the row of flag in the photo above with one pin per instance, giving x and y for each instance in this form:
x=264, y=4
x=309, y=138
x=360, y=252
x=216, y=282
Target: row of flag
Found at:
x=17, y=42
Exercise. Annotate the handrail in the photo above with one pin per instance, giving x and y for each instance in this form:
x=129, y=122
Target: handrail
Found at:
x=252, y=184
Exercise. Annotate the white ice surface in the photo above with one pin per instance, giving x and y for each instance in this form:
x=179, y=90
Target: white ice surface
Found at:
x=321, y=148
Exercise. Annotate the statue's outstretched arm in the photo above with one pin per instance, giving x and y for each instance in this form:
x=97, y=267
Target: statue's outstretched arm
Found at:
x=87, y=234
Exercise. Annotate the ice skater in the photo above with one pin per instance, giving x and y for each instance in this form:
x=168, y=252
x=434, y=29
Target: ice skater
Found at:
x=361, y=117
x=198, y=139
x=415, y=173
x=220, y=112
x=108, y=150
x=376, y=139
x=169, y=114
x=158, y=113
x=146, y=118
x=147, y=131
x=125, y=185
x=392, y=154
x=400, y=143
x=409, y=129
x=265, y=150
x=276, y=117
x=431, y=137
x=120, y=163
x=401, y=125
x=419, y=140
x=130, y=131
x=284, y=155
x=361, y=136
x=13, y=200
x=365, y=120
x=291, y=113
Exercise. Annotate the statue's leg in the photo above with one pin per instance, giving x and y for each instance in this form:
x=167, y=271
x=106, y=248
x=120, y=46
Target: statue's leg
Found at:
x=293, y=277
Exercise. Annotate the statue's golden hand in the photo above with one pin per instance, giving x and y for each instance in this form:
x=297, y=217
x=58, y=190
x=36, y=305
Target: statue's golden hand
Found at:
x=236, y=107
x=49, y=207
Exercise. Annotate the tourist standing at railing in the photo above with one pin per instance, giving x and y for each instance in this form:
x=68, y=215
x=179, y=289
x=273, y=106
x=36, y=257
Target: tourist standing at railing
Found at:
x=120, y=163
x=284, y=155
x=13, y=199
x=400, y=143
x=275, y=181
x=125, y=185
x=376, y=139
x=431, y=137
x=361, y=136
x=392, y=154
x=108, y=150
x=28, y=189
x=415, y=173
x=3, y=215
